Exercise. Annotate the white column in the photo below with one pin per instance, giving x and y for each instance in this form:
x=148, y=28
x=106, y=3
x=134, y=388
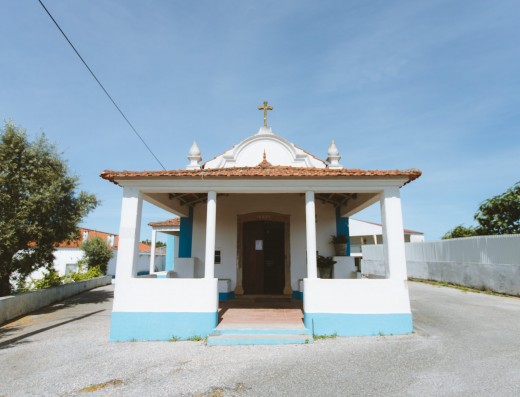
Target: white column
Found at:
x=152, y=252
x=375, y=239
x=393, y=234
x=310, y=219
x=129, y=231
x=211, y=222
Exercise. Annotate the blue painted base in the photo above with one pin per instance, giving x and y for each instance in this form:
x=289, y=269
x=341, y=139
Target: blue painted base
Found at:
x=225, y=296
x=297, y=295
x=143, y=273
x=358, y=324
x=127, y=326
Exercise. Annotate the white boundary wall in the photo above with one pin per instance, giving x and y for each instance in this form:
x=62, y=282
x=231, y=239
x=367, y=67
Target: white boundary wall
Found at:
x=484, y=262
x=17, y=305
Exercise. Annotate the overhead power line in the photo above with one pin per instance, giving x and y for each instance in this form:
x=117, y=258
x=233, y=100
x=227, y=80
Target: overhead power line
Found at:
x=101, y=85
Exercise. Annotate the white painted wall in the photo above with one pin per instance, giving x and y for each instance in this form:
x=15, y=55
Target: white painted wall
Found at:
x=415, y=238
x=166, y=295
x=358, y=228
x=362, y=228
x=185, y=267
x=66, y=256
x=143, y=263
x=362, y=296
x=486, y=262
x=18, y=305
x=345, y=267
x=228, y=209
x=482, y=249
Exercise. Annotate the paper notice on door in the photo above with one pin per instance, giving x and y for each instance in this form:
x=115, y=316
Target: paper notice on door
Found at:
x=259, y=245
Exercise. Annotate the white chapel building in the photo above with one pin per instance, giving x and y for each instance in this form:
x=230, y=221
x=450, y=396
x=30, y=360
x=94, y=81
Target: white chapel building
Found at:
x=256, y=217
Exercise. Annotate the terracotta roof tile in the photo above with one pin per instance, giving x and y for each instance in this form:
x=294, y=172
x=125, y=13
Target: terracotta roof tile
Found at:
x=91, y=233
x=262, y=172
x=96, y=233
x=169, y=222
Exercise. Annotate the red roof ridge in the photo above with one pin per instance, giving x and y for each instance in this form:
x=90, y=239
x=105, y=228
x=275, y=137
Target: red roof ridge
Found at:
x=168, y=222
x=273, y=171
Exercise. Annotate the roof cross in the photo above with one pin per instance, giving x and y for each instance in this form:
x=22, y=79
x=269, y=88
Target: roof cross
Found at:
x=265, y=108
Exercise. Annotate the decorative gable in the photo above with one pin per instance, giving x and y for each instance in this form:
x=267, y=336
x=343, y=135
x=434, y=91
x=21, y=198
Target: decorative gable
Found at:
x=278, y=152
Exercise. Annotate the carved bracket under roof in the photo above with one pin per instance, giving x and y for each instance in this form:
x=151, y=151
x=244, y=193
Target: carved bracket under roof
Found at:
x=336, y=199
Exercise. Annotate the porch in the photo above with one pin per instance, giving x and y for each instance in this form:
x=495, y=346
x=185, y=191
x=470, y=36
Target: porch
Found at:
x=162, y=308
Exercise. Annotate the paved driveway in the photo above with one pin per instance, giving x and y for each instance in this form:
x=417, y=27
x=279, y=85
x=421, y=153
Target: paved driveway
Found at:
x=465, y=344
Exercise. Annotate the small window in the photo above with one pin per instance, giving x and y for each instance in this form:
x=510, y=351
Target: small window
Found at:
x=217, y=257
x=71, y=268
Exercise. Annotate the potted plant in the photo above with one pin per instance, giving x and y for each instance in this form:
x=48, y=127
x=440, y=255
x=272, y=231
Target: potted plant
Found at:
x=340, y=244
x=325, y=264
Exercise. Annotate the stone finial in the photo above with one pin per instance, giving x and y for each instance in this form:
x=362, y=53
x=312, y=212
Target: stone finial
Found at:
x=333, y=157
x=194, y=157
x=265, y=131
x=264, y=163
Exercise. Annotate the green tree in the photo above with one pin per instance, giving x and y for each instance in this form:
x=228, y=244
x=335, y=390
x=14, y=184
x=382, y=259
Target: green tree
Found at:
x=460, y=231
x=97, y=253
x=500, y=214
x=496, y=215
x=40, y=206
x=158, y=244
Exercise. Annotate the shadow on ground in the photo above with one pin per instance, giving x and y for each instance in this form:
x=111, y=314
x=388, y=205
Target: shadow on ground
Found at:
x=14, y=327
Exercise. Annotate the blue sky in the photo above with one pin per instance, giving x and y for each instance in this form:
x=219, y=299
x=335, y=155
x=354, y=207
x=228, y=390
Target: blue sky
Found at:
x=433, y=85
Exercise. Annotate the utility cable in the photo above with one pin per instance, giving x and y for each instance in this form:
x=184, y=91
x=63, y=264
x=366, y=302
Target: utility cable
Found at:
x=101, y=85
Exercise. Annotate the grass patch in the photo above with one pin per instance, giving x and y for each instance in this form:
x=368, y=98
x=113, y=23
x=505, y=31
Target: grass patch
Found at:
x=460, y=287
x=101, y=386
x=331, y=336
x=224, y=391
x=195, y=338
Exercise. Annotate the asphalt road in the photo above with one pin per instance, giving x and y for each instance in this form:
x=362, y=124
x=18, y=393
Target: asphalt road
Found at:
x=465, y=344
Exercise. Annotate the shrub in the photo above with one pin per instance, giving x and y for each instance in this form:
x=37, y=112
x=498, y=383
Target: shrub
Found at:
x=97, y=253
x=50, y=279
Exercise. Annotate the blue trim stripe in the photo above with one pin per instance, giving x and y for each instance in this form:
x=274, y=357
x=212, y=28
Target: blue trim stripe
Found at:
x=127, y=326
x=225, y=296
x=358, y=324
x=186, y=235
x=342, y=227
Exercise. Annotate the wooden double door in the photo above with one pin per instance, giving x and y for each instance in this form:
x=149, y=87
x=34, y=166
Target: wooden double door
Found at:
x=263, y=257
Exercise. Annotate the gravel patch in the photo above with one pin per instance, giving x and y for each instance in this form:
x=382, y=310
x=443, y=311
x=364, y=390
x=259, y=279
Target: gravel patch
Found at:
x=464, y=344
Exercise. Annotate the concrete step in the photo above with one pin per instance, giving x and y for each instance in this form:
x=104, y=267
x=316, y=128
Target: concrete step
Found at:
x=259, y=339
x=264, y=298
x=261, y=329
